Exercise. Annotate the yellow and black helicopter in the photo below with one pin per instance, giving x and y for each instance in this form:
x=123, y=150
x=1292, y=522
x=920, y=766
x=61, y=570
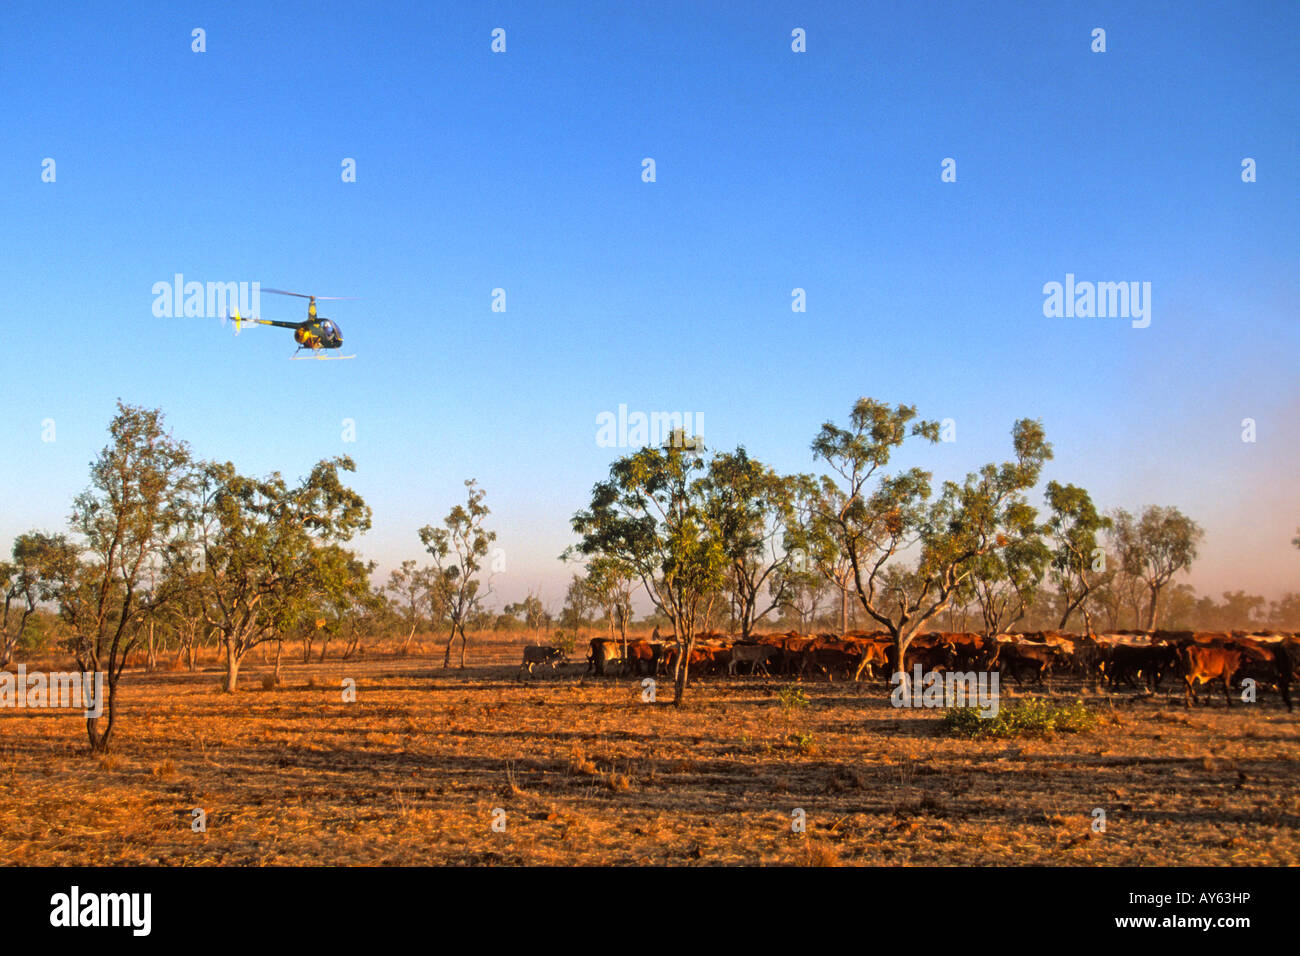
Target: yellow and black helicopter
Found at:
x=316, y=333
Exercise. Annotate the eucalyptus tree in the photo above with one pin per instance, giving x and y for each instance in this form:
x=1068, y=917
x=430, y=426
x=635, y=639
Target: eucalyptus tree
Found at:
x=458, y=550
x=122, y=526
x=814, y=542
x=408, y=584
x=1006, y=581
x=651, y=517
x=344, y=600
x=1078, y=562
x=752, y=508
x=612, y=585
x=876, y=519
x=1154, y=547
x=532, y=613
x=579, y=603
x=258, y=539
x=20, y=582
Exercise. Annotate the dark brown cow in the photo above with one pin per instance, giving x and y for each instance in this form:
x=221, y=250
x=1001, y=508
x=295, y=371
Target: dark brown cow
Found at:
x=973, y=651
x=543, y=656
x=931, y=651
x=1128, y=662
x=1268, y=664
x=828, y=656
x=1203, y=663
x=1089, y=657
x=791, y=658
x=713, y=658
x=1018, y=659
x=1291, y=647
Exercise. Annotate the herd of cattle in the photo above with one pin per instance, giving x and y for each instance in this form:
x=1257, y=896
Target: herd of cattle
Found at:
x=1125, y=659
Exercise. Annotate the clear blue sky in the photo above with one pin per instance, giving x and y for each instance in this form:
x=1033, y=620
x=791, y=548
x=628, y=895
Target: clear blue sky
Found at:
x=775, y=170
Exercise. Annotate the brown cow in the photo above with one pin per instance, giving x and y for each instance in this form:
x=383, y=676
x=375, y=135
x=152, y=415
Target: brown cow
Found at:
x=931, y=651
x=704, y=659
x=1017, y=659
x=876, y=653
x=973, y=651
x=1203, y=663
x=604, y=652
x=642, y=657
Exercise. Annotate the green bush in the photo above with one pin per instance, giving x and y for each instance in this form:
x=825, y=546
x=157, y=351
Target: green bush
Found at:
x=1028, y=718
x=792, y=698
x=804, y=743
x=565, y=641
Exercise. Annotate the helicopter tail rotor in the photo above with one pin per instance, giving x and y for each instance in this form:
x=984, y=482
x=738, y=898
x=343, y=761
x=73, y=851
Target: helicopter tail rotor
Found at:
x=237, y=320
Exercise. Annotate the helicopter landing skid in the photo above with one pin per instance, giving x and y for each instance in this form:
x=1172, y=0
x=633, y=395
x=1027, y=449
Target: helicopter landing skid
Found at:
x=320, y=358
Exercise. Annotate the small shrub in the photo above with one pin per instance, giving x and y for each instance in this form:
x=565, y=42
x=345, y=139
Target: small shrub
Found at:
x=804, y=743
x=792, y=698
x=565, y=641
x=1028, y=718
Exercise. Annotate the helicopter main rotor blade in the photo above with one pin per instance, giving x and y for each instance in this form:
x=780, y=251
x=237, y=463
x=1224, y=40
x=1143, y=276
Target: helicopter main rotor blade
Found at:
x=303, y=295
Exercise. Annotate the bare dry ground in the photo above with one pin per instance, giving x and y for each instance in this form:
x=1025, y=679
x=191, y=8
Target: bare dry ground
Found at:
x=588, y=774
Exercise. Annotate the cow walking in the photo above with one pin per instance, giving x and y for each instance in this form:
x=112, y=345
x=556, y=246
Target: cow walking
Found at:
x=536, y=656
x=1202, y=664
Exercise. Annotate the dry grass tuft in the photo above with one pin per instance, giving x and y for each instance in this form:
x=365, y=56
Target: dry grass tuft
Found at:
x=618, y=782
x=579, y=765
x=817, y=853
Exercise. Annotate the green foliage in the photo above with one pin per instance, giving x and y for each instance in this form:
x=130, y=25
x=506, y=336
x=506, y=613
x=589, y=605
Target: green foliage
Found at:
x=804, y=743
x=410, y=587
x=611, y=583
x=265, y=554
x=876, y=519
x=1028, y=718
x=752, y=509
x=650, y=519
x=531, y=612
x=458, y=549
x=1072, y=528
x=792, y=698
x=1155, y=546
x=565, y=640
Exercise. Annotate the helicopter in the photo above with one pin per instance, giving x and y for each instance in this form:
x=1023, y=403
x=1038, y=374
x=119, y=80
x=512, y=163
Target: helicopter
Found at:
x=316, y=333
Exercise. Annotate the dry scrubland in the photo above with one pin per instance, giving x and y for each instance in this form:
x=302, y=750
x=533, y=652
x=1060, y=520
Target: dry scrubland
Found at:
x=587, y=774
